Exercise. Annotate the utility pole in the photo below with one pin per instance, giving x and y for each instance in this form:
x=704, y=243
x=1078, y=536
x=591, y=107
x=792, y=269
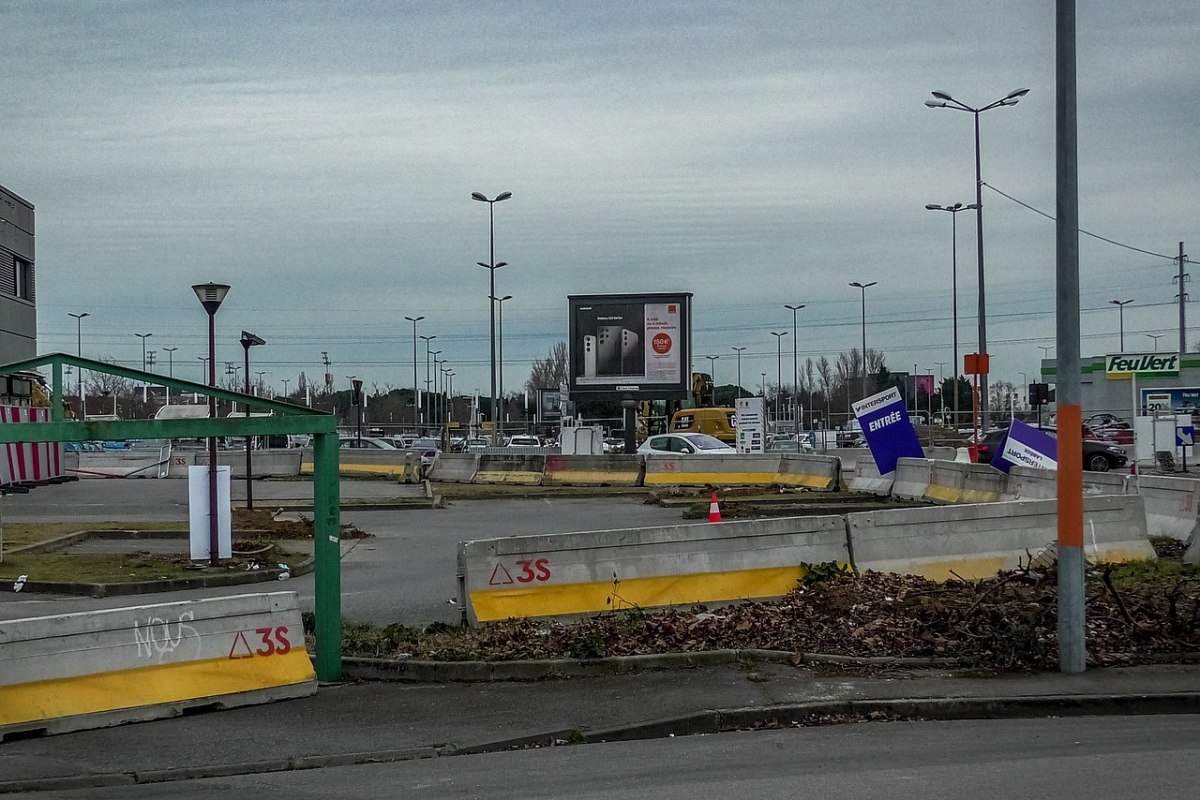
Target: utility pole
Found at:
x=1182, y=278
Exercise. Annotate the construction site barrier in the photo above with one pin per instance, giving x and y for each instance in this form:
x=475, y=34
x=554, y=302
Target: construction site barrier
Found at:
x=137, y=462
x=110, y=666
x=912, y=478
x=954, y=482
x=818, y=472
x=1030, y=483
x=582, y=470
x=1171, y=504
x=583, y=573
x=1107, y=483
x=28, y=462
x=525, y=470
x=975, y=541
x=867, y=480
x=455, y=468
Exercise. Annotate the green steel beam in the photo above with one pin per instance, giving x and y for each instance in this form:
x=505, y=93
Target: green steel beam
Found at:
x=116, y=430
x=63, y=359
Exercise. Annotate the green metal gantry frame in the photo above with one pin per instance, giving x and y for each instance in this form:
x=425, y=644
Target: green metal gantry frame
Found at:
x=286, y=418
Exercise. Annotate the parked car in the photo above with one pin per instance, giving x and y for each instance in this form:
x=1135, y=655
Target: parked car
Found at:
x=476, y=444
x=675, y=444
x=788, y=443
x=367, y=442
x=521, y=440
x=429, y=448
x=1098, y=456
x=1110, y=428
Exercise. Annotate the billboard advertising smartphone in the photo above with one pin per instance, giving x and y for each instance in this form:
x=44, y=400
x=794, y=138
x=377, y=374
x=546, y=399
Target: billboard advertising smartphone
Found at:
x=636, y=345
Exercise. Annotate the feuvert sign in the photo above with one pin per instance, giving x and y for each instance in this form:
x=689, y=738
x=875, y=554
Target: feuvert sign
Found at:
x=1125, y=365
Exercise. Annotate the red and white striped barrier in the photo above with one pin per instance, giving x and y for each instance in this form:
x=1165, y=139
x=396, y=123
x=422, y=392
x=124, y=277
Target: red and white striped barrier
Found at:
x=24, y=462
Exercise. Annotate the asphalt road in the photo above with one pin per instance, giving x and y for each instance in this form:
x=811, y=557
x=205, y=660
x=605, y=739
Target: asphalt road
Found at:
x=1097, y=758
x=404, y=573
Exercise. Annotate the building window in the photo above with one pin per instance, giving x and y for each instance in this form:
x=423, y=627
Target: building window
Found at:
x=23, y=279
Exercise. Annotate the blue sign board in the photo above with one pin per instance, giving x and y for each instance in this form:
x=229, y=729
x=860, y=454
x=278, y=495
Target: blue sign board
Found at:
x=888, y=430
x=1026, y=446
x=1185, y=435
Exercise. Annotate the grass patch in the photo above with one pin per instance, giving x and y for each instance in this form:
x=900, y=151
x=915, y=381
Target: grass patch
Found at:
x=119, y=567
x=20, y=534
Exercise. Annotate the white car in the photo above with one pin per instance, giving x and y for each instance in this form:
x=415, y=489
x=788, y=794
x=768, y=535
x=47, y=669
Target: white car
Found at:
x=676, y=444
x=366, y=443
x=524, y=441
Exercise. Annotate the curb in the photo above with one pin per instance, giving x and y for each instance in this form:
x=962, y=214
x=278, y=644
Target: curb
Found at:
x=706, y=721
x=152, y=587
x=424, y=671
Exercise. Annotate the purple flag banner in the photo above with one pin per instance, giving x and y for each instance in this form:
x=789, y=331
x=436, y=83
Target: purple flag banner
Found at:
x=888, y=430
x=1026, y=446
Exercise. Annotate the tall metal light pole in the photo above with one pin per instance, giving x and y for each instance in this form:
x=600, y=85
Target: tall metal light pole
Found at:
x=414, y=321
x=170, y=351
x=286, y=381
x=739, y=350
x=437, y=400
x=143, y=337
x=862, y=287
x=944, y=100
x=79, y=352
x=1120, y=304
x=953, y=209
x=428, y=397
x=1156, y=337
x=356, y=385
x=249, y=340
x=449, y=404
x=499, y=301
x=764, y=386
x=795, y=367
x=211, y=295
x=778, y=370
x=491, y=267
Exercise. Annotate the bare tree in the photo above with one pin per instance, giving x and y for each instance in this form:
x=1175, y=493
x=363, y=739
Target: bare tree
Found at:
x=551, y=371
x=825, y=372
x=102, y=383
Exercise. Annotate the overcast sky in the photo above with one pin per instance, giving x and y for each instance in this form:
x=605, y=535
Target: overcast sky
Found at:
x=320, y=158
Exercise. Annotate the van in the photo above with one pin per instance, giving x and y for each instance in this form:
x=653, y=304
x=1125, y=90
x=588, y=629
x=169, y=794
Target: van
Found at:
x=720, y=423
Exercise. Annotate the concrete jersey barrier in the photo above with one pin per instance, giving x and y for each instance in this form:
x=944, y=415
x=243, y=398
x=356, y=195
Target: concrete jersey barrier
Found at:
x=694, y=470
x=279, y=463
x=584, y=470
x=818, y=472
x=975, y=541
x=1171, y=505
x=455, y=467
x=867, y=480
x=515, y=468
x=911, y=479
x=584, y=573
x=106, y=667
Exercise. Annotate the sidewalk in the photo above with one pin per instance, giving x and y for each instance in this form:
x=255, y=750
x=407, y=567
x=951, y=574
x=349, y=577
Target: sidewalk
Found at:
x=373, y=722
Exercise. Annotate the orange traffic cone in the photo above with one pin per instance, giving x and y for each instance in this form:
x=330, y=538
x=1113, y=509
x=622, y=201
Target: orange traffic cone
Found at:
x=714, y=509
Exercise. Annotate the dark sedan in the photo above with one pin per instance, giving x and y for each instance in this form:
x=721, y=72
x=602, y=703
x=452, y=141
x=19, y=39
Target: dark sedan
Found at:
x=1098, y=456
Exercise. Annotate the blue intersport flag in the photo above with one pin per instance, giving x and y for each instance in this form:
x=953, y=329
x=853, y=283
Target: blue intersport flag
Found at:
x=1026, y=446
x=888, y=430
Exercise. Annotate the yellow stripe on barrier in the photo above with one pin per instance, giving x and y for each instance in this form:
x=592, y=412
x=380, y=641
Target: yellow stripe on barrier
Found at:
x=593, y=477
x=978, y=496
x=715, y=478
x=374, y=469
x=807, y=481
x=148, y=686
x=943, y=494
x=504, y=476
x=591, y=597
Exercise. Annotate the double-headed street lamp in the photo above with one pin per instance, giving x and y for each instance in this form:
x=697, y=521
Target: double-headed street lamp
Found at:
x=712, y=372
x=499, y=301
x=170, y=351
x=414, y=321
x=428, y=396
x=79, y=352
x=795, y=368
x=211, y=295
x=944, y=100
x=143, y=337
x=1156, y=337
x=491, y=267
x=862, y=287
x=249, y=340
x=778, y=371
x=1120, y=304
x=739, y=350
x=954, y=209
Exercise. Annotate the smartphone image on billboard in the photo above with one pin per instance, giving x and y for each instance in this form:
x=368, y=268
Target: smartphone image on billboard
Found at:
x=608, y=350
x=631, y=363
x=589, y=356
